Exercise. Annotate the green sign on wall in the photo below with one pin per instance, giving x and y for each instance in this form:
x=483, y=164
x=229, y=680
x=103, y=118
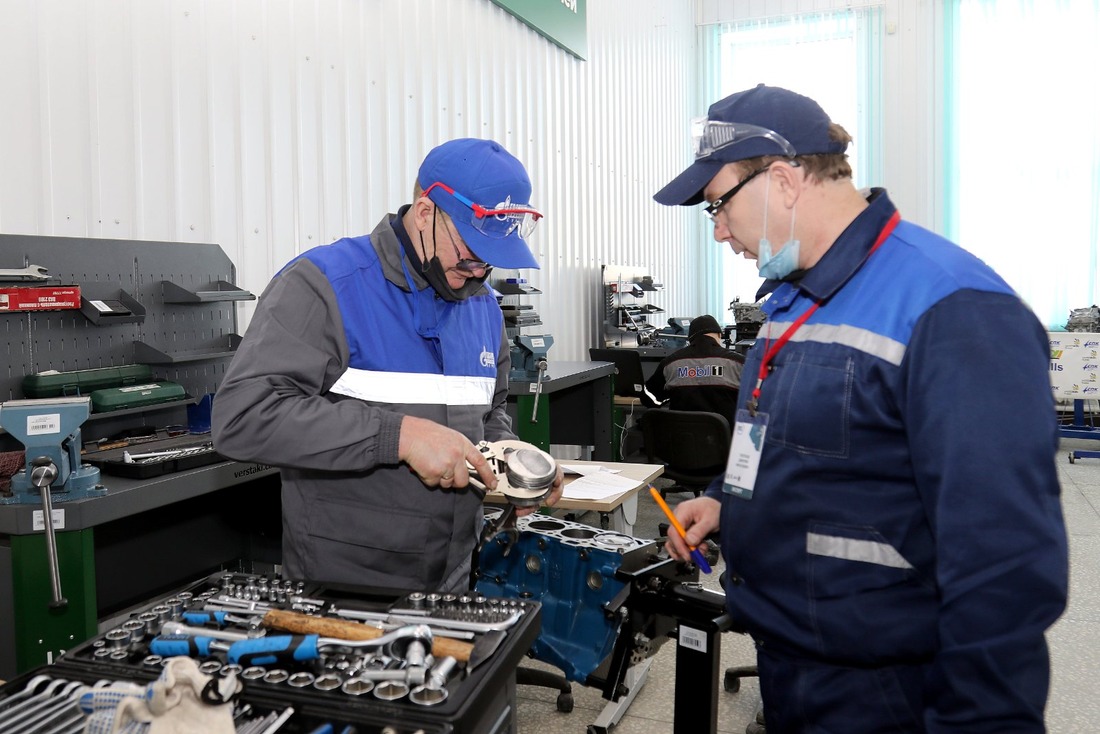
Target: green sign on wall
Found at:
x=562, y=21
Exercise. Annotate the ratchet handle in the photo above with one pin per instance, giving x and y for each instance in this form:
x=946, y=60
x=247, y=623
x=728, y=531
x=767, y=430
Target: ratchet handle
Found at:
x=178, y=645
x=274, y=649
x=200, y=618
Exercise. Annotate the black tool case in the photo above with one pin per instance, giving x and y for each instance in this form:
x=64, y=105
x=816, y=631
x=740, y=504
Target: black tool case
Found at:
x=194, y=451
x=478, y=702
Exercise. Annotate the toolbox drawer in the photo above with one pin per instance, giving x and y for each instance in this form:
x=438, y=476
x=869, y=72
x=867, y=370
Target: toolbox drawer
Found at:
x=478, y=701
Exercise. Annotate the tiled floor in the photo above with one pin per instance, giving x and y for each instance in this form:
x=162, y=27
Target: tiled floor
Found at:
x=1073, y=707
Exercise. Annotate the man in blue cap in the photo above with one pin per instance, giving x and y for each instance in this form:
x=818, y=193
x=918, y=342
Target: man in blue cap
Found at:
x=373, y=366
x=890, y=514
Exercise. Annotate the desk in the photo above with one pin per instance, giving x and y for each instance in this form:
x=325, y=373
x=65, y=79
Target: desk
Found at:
x=621, y=510
x=122, y=547
x=574, y=407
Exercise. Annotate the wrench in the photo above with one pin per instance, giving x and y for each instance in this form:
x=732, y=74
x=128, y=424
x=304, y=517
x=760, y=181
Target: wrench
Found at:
x=31, y=272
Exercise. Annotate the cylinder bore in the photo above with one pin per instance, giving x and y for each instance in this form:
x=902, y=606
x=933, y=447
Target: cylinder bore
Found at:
x=544, y=525
x=579, y=533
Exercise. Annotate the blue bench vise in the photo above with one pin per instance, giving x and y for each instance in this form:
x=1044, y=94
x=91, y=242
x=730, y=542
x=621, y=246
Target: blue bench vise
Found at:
x=49, y=429
x=529, y=357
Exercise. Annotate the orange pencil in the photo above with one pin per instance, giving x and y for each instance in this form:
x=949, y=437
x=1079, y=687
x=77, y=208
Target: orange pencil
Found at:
x=700, y=561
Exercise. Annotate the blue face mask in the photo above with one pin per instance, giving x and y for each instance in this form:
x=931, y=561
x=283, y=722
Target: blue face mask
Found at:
x=780, y=265
x=772, y=265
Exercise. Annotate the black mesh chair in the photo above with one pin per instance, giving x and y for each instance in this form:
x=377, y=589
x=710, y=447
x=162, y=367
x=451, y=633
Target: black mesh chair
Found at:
x=692, y=446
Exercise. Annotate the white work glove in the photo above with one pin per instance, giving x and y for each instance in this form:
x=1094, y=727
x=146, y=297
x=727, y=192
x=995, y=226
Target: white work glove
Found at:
x=173, y=704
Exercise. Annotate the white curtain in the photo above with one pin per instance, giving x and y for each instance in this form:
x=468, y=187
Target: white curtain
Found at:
x=833, y=57
x=1022, y=160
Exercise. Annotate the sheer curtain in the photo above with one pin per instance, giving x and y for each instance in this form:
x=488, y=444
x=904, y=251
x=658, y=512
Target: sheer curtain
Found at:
x=1022, y=160
x=833, y=57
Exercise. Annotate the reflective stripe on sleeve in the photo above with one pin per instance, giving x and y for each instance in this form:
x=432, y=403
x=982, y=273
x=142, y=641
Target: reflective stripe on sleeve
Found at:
x=415, y=388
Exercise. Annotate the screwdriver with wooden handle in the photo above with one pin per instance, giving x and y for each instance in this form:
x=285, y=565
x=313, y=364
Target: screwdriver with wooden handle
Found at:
x=305, y=624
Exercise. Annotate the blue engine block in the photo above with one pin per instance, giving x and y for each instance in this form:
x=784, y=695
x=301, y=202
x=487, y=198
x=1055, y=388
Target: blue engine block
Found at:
x=569, y=568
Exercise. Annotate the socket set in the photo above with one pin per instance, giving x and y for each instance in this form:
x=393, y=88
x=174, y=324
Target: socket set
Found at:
x=372, y=660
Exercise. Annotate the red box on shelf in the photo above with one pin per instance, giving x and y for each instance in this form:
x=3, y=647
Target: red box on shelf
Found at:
x=39, y=298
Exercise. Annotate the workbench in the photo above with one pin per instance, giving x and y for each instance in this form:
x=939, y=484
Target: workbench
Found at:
x=171, y=306
x=618, y=512
x=573, y=407
x=142, y=537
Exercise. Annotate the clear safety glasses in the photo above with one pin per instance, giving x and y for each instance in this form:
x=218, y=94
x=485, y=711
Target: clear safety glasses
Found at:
x=499, y=221
x=713, y=135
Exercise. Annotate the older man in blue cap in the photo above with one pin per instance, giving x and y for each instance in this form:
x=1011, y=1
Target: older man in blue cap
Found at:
x=890, y=513
x=373, y=366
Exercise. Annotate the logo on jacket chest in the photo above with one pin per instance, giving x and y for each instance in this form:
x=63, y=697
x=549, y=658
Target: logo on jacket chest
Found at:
x=705, y=370
x=488, y=359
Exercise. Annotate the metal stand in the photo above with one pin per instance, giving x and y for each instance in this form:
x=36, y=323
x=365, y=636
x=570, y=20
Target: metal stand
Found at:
x=1080, y=430
x=614, y=711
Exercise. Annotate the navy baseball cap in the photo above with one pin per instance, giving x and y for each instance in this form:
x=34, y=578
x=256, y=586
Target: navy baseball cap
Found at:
x=472, y=174
x=756, y=122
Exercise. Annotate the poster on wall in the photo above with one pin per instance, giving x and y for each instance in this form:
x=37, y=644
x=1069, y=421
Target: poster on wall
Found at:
x=562, y=21
x=1075, y=364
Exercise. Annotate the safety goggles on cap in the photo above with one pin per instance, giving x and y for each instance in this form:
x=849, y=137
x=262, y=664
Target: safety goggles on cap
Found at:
x=713, y=135
x=500, y=221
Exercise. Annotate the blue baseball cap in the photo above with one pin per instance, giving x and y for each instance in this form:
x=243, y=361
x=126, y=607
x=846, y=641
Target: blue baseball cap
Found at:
x=472, y=172
x=755, y=122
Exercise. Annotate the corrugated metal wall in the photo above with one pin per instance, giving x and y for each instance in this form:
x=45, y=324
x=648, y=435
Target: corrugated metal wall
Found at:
x=271, y=126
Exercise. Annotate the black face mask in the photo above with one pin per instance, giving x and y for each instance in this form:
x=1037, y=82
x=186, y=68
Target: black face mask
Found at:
x=436, y=276
x=432, y=271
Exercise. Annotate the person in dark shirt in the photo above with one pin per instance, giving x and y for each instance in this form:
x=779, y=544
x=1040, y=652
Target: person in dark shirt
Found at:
x=703, y=376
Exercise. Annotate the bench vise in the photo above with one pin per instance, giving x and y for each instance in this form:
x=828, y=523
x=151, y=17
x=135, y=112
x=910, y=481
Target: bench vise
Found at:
x=49, y=430
x=529, y=357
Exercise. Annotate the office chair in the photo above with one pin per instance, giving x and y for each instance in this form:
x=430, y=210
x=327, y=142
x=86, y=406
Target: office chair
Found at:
x=629, y=377
x=631, y=399
x=692, y=445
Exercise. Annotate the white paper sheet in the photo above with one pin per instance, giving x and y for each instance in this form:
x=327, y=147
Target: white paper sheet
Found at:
x=598, y=485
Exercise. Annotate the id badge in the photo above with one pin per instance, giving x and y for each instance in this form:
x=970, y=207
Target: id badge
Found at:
x=745, y=450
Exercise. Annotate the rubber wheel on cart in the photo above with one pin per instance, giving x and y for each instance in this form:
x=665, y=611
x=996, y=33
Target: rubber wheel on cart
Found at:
x=593, y=729
x=755, y=728
x=565, y=702
x=731, y=683
x=1071, y=457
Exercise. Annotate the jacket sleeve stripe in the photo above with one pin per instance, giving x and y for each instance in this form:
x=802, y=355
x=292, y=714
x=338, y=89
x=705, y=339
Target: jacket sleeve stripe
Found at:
x=412, y=388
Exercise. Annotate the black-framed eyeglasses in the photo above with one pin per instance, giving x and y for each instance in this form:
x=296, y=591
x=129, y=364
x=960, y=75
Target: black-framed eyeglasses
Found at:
x=476, y=268
x=711, y=210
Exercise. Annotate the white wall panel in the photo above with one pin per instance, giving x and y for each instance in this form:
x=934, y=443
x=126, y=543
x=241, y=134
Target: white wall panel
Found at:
x=272, y=126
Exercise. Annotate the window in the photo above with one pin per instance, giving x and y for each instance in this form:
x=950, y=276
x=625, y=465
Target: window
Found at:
x=832, y=57
x=1022, y=160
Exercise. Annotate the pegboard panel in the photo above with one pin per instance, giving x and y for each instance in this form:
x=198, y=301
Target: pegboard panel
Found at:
x=188, y=330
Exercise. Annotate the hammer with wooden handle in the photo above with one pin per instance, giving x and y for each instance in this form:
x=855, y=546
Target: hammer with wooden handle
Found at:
x=305, y=624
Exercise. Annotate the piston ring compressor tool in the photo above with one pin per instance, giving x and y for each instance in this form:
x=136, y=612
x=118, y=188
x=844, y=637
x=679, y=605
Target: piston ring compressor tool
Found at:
x=525, y=473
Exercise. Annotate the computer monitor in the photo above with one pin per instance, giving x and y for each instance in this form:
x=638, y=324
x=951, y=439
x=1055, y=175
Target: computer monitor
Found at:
x=629, y=380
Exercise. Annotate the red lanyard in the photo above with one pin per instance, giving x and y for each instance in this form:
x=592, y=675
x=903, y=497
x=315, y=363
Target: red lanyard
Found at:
x=773, y=349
